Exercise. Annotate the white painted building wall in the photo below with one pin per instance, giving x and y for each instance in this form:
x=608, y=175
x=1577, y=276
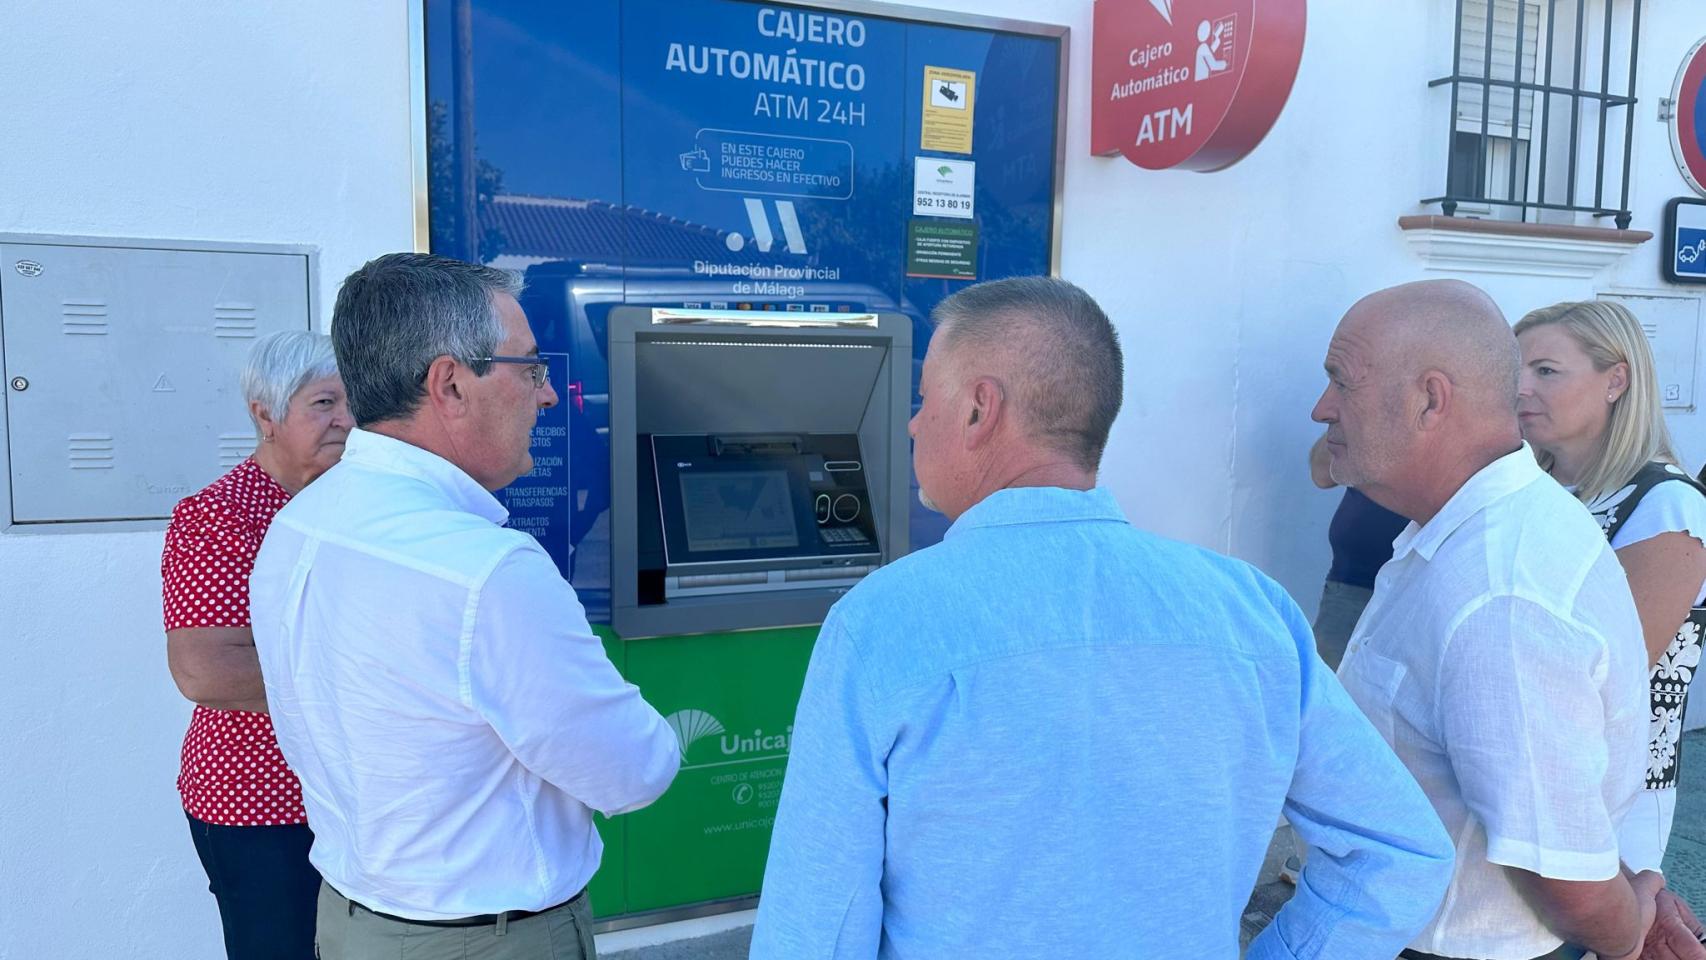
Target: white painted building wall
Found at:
x=290, y=123
x=284, y=122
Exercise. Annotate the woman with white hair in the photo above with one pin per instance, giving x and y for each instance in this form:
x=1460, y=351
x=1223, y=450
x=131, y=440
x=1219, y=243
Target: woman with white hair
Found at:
x=244, y=805
x=1589, y=406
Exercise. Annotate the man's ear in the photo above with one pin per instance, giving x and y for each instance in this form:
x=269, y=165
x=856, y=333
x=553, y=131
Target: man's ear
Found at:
x=1437, y=392
x=446, y=386
x=988, y=406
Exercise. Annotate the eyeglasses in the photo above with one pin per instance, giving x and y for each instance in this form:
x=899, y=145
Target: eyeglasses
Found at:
x=537, y=371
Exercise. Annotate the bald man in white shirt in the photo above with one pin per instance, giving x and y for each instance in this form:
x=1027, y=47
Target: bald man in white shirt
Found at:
x=1501, y=655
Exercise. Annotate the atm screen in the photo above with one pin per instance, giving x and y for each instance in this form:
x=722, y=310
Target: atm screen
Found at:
x=738, y=510
x=759, y=498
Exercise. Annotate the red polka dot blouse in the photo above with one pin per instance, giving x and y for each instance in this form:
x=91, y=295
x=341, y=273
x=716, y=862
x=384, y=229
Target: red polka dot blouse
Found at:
x=232, y=772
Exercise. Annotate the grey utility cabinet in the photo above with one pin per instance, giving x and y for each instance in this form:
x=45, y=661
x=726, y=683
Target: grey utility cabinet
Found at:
x=121, y=361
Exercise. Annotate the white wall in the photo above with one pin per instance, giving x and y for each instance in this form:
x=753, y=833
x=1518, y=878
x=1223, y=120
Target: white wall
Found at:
x=283, y=122
x=1227, y=286
x=289, y=123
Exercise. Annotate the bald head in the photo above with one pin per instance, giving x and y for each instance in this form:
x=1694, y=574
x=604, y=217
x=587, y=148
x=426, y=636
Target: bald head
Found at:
x=1421, y=393
x=1445, y=325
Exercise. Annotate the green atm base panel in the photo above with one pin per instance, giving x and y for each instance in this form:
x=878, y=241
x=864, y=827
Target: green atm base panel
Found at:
x=730, y=698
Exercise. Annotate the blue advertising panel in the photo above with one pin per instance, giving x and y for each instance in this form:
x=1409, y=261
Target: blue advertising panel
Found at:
x=798, y=133
x=723, y=154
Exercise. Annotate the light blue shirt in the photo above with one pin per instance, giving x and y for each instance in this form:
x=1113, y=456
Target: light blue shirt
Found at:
x=1054, y=734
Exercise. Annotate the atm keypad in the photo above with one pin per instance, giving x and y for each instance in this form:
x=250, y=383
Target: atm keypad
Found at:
x=844, y=535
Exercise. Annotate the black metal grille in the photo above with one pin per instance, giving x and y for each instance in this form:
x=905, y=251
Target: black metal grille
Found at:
x=1477, y=158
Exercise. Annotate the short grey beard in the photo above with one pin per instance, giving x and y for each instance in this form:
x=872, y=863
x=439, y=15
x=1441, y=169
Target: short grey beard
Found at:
x=928, y=503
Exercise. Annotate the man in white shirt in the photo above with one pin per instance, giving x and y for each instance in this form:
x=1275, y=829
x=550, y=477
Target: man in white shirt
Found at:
x=432, y=678
x=1501, y=655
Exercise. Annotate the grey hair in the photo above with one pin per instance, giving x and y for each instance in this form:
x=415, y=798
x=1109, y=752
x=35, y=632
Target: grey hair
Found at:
x=279, y=365
x=1066, y=356
x=399, y=313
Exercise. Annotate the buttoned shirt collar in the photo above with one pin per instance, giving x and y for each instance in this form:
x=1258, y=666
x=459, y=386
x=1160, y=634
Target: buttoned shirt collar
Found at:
x=1498, y=479
x=1038, y=505
x=399, y=456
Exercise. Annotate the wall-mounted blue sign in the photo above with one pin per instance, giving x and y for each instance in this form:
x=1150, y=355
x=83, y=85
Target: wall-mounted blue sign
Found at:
x=1685, y=241
x=718, y=154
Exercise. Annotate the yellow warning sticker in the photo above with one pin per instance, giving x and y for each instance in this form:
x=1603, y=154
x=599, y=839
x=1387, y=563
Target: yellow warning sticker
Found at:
x=949, y=97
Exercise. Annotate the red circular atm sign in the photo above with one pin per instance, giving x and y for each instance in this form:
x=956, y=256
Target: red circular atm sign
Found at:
x=1194, y=84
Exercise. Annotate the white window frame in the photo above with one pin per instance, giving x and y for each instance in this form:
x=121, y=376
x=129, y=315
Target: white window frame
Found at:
x=1502, y=132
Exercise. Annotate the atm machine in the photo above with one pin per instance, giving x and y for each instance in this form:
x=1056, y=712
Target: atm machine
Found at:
x=759, y=470
x=759, y=464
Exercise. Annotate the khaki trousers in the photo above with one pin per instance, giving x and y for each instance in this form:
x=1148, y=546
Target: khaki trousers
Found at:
x=347, y=932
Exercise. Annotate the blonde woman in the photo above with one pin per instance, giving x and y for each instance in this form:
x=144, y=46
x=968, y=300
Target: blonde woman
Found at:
x=1589, y=407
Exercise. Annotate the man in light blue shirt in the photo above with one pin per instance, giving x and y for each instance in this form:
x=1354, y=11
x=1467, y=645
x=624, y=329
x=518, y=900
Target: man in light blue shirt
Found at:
x=1056, y=735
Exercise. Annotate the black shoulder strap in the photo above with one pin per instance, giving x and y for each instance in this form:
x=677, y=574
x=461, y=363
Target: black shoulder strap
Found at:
x=1654, y=473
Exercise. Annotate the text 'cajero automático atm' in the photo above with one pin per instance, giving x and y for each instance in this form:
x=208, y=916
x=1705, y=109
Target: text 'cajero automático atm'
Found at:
x=758, y=464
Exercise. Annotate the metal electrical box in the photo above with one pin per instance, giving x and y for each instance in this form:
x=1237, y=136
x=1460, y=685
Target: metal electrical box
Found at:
x=1672, y=326
x=121, y=362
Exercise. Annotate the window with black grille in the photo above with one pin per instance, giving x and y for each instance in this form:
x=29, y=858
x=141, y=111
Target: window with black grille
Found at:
x=1541, y=101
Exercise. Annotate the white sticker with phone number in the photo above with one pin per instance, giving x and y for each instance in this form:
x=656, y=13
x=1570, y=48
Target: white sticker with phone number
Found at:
x=943, y=188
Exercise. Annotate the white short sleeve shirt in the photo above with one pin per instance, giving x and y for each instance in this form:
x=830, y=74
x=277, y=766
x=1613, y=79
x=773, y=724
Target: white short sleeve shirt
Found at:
x=1669, y=507
x=1502, y=659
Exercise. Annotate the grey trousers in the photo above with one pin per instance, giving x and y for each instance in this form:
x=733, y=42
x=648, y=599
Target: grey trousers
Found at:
x=1341, y=607
x=347, y=932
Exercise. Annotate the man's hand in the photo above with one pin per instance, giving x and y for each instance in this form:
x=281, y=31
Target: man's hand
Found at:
x=1647, y=885
x=1675, y=934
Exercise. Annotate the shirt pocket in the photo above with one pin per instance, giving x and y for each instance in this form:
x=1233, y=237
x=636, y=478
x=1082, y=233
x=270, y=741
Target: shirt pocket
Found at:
x=1374, y=682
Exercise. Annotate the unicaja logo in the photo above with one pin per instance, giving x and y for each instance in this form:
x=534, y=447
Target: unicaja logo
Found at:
x=691, y=726
x=757, y=742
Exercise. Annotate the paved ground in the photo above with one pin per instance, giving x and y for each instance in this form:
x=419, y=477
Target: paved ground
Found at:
x=1685, y=871
x=728, y=945
x=1685, y=858
x=1270, y=894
